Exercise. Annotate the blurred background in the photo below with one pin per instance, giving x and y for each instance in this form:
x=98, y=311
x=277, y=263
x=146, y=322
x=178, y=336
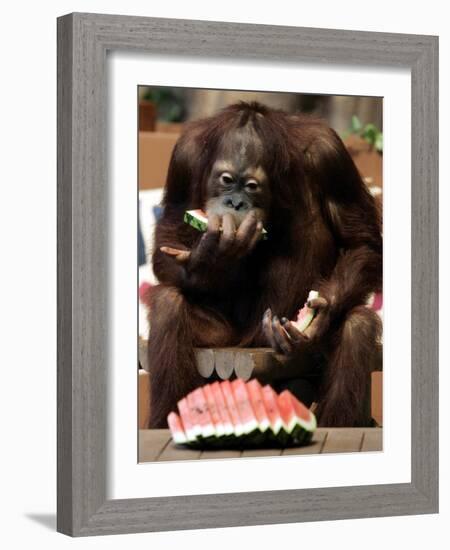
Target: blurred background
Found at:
x=163, y=111
x=162, y=114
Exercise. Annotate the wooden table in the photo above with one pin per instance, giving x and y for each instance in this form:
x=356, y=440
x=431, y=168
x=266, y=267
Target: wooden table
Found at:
x=157, y=445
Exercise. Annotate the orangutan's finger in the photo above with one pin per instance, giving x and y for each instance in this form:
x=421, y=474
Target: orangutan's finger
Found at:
x=181, y=256
x=267, y=328
x=293, y=332
x=317, y=303
x=280, y=336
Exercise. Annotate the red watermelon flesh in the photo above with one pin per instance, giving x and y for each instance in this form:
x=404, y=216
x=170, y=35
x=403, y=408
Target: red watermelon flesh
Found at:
x=294, y=413
x=202, y=412
x=194, y=414
x=271, y=406
x=245, y=411
x=225, y=386
x=176, y=428
x=222, y=408
x=305, y=418
x=287, y=411
x=213, y=410
x=256, y=398
x=243, y=405
x=191, y=428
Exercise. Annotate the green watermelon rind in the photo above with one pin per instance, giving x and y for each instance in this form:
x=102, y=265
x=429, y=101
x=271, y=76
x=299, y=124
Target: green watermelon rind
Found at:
x=308, y=318
x=194, y=221
x=296, y=437
x=192, y=218
x=299, y=434
x=305, y=322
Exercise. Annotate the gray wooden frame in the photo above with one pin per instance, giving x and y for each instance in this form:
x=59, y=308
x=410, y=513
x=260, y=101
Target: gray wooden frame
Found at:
x=83, y=42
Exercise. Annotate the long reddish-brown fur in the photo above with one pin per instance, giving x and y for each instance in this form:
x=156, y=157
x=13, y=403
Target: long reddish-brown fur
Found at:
x=324, y=233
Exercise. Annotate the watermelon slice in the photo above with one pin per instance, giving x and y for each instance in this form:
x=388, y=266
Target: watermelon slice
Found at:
x=202, y=413
x=273, y=412
x=222, y=408
x=306, y=314
x=240, y=414
x=191, y=428
x=277, y=433
x=256, y=398
x=244, y=407
x=214, y=411
x=198, y=219
x=238, y=428
x=297, y=422
x=176, y=427
x=305, y=418
x=287, y=412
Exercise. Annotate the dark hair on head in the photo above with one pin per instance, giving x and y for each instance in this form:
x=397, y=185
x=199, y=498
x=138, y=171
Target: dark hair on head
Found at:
x=247, y=111
x=279, y=158
x=201, y=140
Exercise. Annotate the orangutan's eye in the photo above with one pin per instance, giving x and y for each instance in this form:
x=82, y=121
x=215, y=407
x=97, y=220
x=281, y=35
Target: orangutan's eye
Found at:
x=251, y=185
x=226, y=178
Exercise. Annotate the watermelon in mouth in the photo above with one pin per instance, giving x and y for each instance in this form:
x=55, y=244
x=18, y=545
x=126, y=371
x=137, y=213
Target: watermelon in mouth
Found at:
x=198, y=219
x=240, y=414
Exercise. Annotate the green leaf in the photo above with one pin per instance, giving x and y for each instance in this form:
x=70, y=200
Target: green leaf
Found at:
x=370, y=133
x=379, y=142
x=355, y=126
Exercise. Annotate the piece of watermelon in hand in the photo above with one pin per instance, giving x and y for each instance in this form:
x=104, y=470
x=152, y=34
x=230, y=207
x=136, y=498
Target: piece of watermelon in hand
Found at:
x=198, y=219
x=306, y=315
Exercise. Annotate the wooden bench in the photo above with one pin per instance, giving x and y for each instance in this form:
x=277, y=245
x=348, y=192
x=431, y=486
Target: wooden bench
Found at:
x=246, y=363
x=157, y=445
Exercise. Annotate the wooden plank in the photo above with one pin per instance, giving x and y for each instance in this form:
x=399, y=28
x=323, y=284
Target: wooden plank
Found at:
x=222, y=453
x=261, y=363
x=315, y=447
x=152, y=443
x=372, y=440
x=155, y=149
x=205, y=361
x=270, y=366
x=376, y=397
x=175, y=452
x=343, y=440
x=261, y=452
x=142, y=349
x=144, y=399
x=156, y=445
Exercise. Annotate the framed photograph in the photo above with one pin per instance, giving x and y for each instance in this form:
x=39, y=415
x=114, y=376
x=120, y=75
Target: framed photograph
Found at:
x=247, y=274
x=237, y=352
